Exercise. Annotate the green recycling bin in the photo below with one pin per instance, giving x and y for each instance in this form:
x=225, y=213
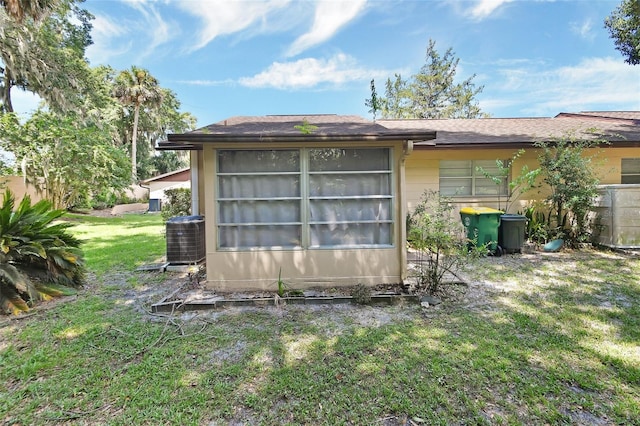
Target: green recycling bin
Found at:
x=481, y=225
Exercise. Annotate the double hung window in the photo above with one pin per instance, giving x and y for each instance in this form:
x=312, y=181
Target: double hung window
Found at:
x=630, y=170
x=304, y=198
x=469, y=178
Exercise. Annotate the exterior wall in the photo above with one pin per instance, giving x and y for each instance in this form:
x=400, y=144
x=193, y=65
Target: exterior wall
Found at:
x=302, y=268
x=19, y=188
x=200, y=195
x=157, y=189
x=423, y=173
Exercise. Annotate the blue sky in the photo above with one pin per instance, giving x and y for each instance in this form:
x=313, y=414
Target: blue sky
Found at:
x=225, y=58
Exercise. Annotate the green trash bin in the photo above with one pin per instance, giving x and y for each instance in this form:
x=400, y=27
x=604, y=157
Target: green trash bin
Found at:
x=481, y=225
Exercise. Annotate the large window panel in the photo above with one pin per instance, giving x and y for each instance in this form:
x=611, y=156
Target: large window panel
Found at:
x=343, y=159
x=264, y=186
x=328, y=185
x=260, y=211
x=259, y=236
x=305, y=198
x=258, y=161
x=350, y=197
x=350, y=234
x=630, y=171
x=259, y=199
x=357, y=210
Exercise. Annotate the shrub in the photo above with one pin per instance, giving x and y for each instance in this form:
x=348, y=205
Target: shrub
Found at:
x=178, y=203
x=438, y=238
x=567, y=169
x=38, y=257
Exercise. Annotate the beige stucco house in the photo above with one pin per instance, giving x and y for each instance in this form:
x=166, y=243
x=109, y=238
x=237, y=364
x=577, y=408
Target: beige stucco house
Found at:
x=321, y=200
x=449, y=163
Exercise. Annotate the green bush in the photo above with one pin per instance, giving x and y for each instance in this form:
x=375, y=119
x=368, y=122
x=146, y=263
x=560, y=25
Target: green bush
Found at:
x=178, y=203
x=38, y=257
x=568, y=170
x=438, y=239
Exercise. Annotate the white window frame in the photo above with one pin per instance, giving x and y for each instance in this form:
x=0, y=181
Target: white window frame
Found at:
x=305, y=198
x=630, y=171
x=475, y=176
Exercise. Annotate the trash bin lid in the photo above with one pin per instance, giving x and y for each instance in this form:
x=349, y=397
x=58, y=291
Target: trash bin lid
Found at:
x=185, y=219
x=480, y=210
x=509, y=217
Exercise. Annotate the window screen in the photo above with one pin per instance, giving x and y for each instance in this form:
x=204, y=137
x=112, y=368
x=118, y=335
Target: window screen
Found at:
x=304, y=198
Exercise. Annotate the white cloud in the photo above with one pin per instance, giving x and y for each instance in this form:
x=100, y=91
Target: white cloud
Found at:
x=113, y=38
x=592, y=84
x=583, y=29
x=104, y=34
x=226, y=17
x=330, y=16
x=311, y=72
x=208, y=83
x=484, y=8
x=159, y=31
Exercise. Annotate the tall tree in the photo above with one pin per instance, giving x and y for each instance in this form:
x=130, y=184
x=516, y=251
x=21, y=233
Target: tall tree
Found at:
x=624, y=28
x=137, y=88
x=431, y=93
x=66, y=161
x=35, y=9
x=154, y=125
x=374, y=102
x=46, y=57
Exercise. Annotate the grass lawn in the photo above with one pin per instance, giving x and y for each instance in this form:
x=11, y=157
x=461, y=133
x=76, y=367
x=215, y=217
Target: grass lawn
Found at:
x=540, y=340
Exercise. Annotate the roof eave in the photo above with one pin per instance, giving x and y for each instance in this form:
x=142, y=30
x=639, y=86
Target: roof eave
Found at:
x=191, y=141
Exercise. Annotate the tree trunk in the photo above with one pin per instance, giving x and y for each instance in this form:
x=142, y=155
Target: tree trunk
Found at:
x=7, y=106
x=134, y=144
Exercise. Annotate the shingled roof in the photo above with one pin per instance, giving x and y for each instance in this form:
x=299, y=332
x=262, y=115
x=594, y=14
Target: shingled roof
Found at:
x=620, y=127
x=293, y=128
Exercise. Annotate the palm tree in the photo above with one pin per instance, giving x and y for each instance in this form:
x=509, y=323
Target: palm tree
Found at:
x=137, y=87
x=39, y=258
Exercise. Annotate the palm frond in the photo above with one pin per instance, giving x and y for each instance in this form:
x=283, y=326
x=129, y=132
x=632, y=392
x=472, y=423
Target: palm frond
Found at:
x=11, y=302
x=55, y=290
x=11, y=276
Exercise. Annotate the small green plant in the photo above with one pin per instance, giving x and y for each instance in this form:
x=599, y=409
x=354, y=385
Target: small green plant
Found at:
x=438, y=239
x=284, y=289
x=306, y=128
x=178, y=203
x=39, y=259
x=522, y=183
x=537, y=228
x=361, y=294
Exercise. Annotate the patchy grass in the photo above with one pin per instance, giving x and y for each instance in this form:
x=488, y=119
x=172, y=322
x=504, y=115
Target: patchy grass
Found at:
x=119, y=243
x=548, y=340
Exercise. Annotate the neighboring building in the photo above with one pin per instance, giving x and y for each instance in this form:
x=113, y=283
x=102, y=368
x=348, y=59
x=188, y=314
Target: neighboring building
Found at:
x=159, y=184
x=321, y=200
x=449, y=163
x=19, y=187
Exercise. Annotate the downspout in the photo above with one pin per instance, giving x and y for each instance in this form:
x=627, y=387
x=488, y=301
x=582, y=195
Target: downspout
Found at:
x=407, y=149
x=195, y=195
